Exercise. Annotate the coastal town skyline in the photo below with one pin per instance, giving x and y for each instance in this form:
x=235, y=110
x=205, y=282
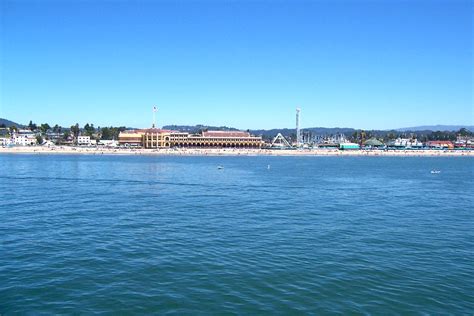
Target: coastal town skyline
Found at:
x=239, y=64
x=6, y=123
x=244, y=157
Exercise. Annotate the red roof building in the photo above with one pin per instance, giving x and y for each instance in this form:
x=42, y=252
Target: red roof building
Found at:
x=225, y=134
x=446, y=144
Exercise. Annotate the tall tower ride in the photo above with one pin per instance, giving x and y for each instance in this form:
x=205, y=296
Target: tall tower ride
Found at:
x=298, y=132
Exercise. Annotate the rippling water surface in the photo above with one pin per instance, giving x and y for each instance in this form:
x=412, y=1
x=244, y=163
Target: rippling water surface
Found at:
x=86, y=234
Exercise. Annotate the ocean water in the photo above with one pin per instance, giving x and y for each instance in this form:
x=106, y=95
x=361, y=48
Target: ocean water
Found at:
x=176, y=235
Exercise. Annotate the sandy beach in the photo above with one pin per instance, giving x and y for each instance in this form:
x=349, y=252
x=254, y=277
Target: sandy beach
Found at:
x=229, y=152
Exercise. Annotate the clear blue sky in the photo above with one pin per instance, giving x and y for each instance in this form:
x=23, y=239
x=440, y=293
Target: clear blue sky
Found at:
x=246, y=64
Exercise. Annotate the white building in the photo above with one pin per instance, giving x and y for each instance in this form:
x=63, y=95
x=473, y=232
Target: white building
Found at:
x=406, y=143
x=48, y=143
x=84, y=140
x=24, y=138
x=107, y=143
x=5, y=141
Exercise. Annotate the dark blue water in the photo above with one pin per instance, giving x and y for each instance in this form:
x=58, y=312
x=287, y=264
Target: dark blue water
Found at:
x=133, y=234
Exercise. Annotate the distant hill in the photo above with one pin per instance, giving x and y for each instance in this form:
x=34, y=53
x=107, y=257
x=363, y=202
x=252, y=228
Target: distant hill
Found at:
x=290, y=132
x=198, y=128
x=434, y=128
x=9, y=123
x=315, y=130
x=262, y=132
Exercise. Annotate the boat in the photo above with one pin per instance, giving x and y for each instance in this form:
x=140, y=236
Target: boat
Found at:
x=220, y=167
x=435, y=171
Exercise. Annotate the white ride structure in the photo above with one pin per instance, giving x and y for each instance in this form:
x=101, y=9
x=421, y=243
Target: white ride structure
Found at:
x=280, y=142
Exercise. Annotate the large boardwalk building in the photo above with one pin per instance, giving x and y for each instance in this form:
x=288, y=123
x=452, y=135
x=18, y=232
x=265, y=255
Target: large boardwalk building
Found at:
x=132, y=138
x=158, y=138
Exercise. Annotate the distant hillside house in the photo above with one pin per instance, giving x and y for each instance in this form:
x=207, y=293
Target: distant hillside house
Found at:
x=54, y=136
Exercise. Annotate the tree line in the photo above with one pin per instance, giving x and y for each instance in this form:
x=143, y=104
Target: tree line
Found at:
x=423, y=136
x=46, y=131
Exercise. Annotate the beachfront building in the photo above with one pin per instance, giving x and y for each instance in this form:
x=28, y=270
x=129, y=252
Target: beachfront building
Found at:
x=5, y=141
x=107, y=143
x=158, y=138
x=464, y=142
x=208, y=139
x=84, y=140
x=24, y=138
x=373, y=143
x=405, y=143
x=131, y=138
x=440, y=144
x=348, y=146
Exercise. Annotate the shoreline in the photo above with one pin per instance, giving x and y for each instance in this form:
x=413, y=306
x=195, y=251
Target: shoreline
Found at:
x=58, y=150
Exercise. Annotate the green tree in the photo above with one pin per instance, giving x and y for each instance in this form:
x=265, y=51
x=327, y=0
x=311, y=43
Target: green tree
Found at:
x=44, y=128
x=66, y=135
x=32, y=126
x=106, y=134
x=111, y=132
x=355, y=136
x=75, y=130
x=392, y=135
x=363, y=136
x=359, y=136
x=39, y=139
x=89, y=129
x=442, y=135
x=465, y=132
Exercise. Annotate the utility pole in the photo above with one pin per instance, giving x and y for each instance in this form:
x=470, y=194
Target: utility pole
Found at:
x=154, y=116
